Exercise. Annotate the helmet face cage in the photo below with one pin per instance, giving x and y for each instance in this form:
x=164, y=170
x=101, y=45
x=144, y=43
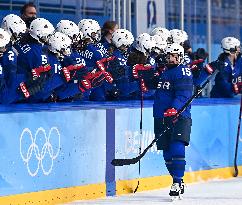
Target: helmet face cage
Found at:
x=122, y=39
x=230, y=45
x=160, y=44
x=14, y=25
x=41, y=29
x=174, y=54
x=60, y=44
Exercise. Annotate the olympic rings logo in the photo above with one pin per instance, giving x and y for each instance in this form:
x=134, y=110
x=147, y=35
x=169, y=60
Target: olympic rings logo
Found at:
x=41, y=154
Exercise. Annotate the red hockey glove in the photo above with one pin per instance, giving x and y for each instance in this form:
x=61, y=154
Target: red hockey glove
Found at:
x=24, y=90
x=102, y=68
x=67, y=70
x=139, y=67
x=169, y=115
x=41, y=69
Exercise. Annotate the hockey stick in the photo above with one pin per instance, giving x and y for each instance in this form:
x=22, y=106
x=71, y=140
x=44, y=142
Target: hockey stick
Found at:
x=121, y=162
x=236, y=171
x=141, y=131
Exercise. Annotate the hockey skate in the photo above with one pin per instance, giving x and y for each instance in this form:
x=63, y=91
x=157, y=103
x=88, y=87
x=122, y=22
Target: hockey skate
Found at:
x=182, y=187
x=175, y=192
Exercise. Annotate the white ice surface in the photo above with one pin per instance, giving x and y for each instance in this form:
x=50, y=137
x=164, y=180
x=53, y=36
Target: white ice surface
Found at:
x=219, y=192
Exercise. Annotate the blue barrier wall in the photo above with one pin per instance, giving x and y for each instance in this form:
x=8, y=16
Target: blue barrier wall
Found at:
x=52, y=146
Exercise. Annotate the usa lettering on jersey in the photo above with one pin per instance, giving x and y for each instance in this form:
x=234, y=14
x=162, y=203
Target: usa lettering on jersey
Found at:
x=87, y=54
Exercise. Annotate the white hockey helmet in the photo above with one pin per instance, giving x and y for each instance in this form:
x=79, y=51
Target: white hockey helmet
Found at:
x=40, y=29
x=14, y=25
x=178, y=36
x=82, y=22
x=175, y=48
x=145, y=43
x=160, y=44
x=90, y=29
x=4, y=38
x=230, y=44
x=60, y=43
x=122, y=37
x=162, y=32
x=69, y=28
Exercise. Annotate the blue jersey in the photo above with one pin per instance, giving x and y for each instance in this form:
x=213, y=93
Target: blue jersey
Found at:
x=8, y=65
x=105, y=43
x=32, y=56
x=9, y=79
x=124, y=85
x=54, y=80
x=237, y=73
x=92, y=54
x=71, y=88
x=174, y=89
x=223, y=87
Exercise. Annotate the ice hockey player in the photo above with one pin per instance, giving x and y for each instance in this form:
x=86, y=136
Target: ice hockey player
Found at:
x=32, y=60
x=139, y=60
x=121, y=88
x=16, y=28
x=174, y=88
x=7, y=64
x=231, y=59
x=95, y=57
x=59, y=46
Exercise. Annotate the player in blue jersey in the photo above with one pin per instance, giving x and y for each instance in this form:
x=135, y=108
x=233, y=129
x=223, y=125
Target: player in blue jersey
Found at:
x=174, y=89
x=223, y=87
x=122, y=87
x=16, y=28
x=7, y=63
x=139, y=60
x=156, y=60
x=33, y=58
x=59, y=47
x=73, y=65
x=94, y=56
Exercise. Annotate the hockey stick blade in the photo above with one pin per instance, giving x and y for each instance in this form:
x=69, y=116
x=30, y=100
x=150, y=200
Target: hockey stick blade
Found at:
x=122, y=162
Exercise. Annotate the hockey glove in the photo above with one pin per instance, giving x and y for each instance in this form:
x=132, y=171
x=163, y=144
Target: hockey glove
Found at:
x=139, y=67
x=215, y=65
x=84, y=85
x=237, y=88
x=36, y=72
x=200, y=54
x=169, y=117
x=115, y=69
x=97, y=79
x=29, y=90
x=102, y=68
x=113, y=94
x=67, y=71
